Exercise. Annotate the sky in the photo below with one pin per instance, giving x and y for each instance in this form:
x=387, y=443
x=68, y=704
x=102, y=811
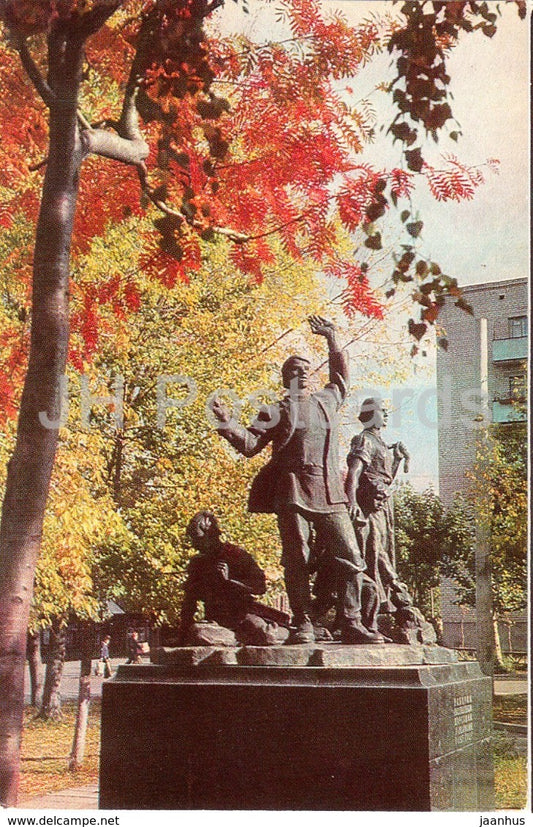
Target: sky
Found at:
x=483, y=240
x=487, y=238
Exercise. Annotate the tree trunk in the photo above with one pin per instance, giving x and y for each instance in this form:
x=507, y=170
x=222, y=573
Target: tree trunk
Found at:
x=33, y=654
x=51, y=703
x=498, y=654
x=485, y=638
x=510, y=637
x=84, y=699
x=30, y=467
x=154, y=637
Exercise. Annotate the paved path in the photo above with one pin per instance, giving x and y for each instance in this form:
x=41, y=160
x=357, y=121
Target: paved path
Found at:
x=78, y=798
x=71, y=677
x=510, y=687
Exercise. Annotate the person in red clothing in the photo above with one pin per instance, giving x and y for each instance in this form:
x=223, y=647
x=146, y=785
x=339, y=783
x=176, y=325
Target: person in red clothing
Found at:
x=225, y=578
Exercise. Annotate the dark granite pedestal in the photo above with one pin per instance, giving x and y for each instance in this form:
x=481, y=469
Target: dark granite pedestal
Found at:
x=324, y=727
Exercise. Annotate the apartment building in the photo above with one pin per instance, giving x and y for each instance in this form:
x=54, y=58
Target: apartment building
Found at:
x=480, y=377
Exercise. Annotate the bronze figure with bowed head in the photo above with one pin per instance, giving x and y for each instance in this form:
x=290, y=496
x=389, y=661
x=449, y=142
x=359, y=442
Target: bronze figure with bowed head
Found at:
x=225, y=578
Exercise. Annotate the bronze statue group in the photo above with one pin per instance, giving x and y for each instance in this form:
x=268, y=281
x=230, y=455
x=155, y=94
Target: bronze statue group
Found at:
x=337, y=535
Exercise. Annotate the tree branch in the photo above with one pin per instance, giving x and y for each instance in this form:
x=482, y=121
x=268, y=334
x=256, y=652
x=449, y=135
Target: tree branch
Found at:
x=34, y=74
x=162, y=206
x=109, y=145
x=83, y=121
x=93, y=20
x=127, y=145
x=128, y=125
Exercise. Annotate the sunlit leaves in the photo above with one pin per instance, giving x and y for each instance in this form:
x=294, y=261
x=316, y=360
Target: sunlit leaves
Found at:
x=223, y=331
x=421, y=539
x=455, y=181
x=357, y=295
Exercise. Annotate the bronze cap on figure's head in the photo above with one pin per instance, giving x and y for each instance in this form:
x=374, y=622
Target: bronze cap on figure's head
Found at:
x=373, y=412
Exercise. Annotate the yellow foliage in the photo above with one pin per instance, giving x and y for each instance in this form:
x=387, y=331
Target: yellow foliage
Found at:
x=121, y=498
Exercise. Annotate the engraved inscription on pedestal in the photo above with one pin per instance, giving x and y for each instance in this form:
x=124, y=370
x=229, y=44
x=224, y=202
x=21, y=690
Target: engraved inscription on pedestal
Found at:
x=463, y=719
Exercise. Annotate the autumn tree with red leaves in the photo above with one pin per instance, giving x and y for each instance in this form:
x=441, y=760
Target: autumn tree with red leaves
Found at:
x=216, y=136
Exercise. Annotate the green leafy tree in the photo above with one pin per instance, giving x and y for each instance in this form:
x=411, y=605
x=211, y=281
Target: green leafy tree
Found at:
x=498, y=496
x=421, y=539
x=431, y=542
x=219, y=331
x=165, y=462
x=500, y=470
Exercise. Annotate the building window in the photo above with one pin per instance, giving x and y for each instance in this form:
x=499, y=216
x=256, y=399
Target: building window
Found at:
x=517, y=387
x=518, y=327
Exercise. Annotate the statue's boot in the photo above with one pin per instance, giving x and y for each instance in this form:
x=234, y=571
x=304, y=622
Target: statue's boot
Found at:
x=299, y=594
x=304, y=632
x=352, y=629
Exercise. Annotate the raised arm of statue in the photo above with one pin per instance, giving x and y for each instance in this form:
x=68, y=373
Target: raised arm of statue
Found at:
x=338, y=360
x=323, y=327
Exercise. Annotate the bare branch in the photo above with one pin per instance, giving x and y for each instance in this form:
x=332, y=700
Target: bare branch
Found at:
x=162, y=206
x=233, y=235
x=34, y=74
x=128, y=125
x=127, y=144
x=278, y=339
x=83, y=121
x=38, y=165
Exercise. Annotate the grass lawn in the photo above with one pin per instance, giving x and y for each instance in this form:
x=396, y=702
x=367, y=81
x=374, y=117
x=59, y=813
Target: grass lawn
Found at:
x=46, y=747
x=510, y=782
x=510, y=769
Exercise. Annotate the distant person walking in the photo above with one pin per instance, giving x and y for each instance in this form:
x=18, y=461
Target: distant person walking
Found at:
x=105, y=661
x=135, y=647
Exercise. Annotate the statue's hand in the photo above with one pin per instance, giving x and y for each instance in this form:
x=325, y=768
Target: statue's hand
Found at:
x=321, y=326
x=223, y=569
x=356, y=515
x=400, y=451
x=221, y=411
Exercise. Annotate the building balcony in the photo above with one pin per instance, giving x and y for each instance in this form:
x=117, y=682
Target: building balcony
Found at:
x=509, y=350
x=508, y=410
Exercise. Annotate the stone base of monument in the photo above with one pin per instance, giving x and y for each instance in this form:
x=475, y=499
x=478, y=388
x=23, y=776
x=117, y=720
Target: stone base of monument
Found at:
x=319, y=727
